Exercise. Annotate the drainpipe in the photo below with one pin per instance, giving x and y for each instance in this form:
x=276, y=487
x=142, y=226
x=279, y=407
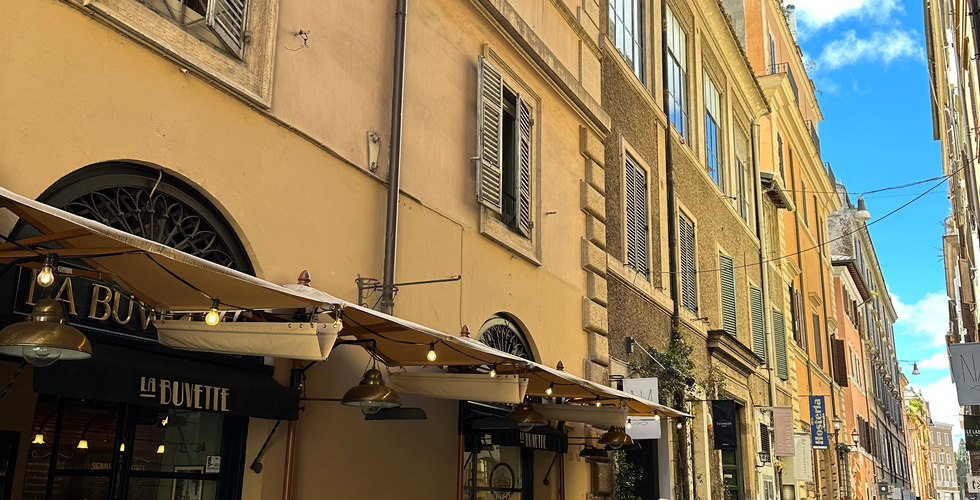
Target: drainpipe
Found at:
x=763, y=250
x=394, y=161
x=673, y=264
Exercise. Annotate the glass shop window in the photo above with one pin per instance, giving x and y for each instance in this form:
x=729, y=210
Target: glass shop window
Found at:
x=494, y=472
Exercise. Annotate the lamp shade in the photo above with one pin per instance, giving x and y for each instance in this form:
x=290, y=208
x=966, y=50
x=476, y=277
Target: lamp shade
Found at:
x=862, y=213
x=526, y=416
x=45, y=336
x=915, y=368
x=615, y=438
x=371, y=395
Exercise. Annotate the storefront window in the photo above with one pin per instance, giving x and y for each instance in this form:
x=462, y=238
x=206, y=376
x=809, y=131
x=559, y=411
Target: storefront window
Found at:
x=494, y=473
x=169, y=454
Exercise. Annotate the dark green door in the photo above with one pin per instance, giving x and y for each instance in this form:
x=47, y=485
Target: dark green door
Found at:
x=731, y=468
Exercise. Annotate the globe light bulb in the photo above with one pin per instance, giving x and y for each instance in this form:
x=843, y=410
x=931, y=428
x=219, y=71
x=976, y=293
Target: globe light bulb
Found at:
x=338, y=323
x=629, y=424
x=598, y=404
x=550, y=389
x=680, y=425
x=213, y=315
x=45, y=278
x=165, y=421
x=41, y=356
x=656, y=418
x=431, y=355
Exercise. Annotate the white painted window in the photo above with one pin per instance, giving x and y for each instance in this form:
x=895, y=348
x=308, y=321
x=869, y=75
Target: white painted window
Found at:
x=676, y=72
x=626, y=29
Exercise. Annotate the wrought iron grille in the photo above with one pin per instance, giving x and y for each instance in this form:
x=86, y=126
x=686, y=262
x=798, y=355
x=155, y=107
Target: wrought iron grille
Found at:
x=160, y=218
x=502, y=334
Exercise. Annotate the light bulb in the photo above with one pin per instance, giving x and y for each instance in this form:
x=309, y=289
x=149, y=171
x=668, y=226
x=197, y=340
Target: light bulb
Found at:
x=213, y=317
x=656, y=418
x=82, y=444
x=493, y=371
x=525, y=427
x=550, y=389
x=38, y=439
x=122, y=447
x=615, y=446
x=160, y=450
x=431, y=355
x=41, y=356
x=598, y=404
x=45, y=278
x=338, y=324
x=629, y=424
x=165, y=421
x=680, y=425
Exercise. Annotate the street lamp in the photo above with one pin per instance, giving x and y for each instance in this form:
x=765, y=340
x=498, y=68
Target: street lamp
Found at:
x=915, y=365
x=855, y=438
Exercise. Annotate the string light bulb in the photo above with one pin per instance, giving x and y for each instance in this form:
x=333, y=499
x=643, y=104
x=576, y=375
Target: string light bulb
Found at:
x=338, y=324
x=656, y=418
x=45, y=277
x=550, y=389
x=598, y=404
x=431, y=355
x=38, y=439
x=629, y=423
x=122, y=447
x=160, y=449
x=493, y=371
x=680, y=426
x=213, y=315
x=82, y=444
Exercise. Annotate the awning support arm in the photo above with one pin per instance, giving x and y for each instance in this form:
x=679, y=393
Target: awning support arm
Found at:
x=256, y=466
x=296, y=377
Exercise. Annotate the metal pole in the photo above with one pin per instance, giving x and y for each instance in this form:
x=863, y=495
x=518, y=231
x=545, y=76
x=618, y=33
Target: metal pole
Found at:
x=394, y=162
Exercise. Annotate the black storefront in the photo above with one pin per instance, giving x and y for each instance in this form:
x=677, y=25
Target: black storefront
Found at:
x=138, y=420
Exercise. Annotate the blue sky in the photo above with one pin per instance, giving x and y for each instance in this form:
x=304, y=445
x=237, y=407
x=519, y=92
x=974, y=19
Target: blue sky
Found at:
x=869, y=62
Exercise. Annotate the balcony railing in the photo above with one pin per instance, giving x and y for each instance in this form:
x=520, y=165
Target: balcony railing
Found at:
x=813, y=135
x=785, y=68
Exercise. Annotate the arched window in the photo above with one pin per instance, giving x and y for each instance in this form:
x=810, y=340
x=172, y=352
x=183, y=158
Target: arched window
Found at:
x=151, y=204
x=503, y=333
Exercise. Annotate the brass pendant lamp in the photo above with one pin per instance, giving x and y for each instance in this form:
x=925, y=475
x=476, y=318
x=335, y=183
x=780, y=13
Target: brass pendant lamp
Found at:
x=615, y=438
x=526, y=416
x=371, y=395
x=45, y=336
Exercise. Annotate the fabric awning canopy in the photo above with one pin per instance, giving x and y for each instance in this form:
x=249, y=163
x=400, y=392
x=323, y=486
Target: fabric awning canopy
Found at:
x=170, y=280
x=460, y=386
x=307, y=341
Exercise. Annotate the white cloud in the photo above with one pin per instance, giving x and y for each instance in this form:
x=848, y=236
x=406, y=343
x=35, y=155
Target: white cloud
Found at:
x=816, y=14
x=943, y=404
x=927, y=319
x=879, y=47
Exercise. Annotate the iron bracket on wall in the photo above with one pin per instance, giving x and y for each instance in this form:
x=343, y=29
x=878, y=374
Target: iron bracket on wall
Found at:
x=368, y=286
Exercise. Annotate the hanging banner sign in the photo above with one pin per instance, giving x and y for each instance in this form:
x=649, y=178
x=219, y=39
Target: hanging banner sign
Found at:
x=971, y=426
x=646, y=388
x=723, y=418
x=965, y=364
x=782, y=421
x=803, y=460
x=818, y=422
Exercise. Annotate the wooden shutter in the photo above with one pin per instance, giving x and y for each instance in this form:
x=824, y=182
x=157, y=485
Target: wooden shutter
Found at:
x=689, y=269
x=758, y=323
x=840, y=362
x=729, y=316
x=228, y=19
x=637, y=228
x=523, y=164
x=765, y=441
x=779, y=331
x=967, y=281
x=490, y=125
x=817, y=340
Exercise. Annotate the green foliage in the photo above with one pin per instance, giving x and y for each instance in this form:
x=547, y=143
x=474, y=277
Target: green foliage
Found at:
x=626, y=476
x=671, y=368
x=962, y=463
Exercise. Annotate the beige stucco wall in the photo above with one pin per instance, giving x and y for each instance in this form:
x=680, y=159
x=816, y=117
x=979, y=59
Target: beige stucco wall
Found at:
x=84, y=93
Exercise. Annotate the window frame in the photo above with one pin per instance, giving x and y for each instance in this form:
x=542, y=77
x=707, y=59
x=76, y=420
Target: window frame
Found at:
x=714, y=133
x=636, y=37
x=676, y=81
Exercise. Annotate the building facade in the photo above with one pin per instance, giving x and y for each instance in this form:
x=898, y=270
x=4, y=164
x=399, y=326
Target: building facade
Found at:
x=920, y=445
x=941, y=447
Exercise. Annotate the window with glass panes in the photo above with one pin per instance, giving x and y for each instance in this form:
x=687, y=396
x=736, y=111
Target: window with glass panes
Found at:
x=626, y=31
x=676, y=72
x=712, y=132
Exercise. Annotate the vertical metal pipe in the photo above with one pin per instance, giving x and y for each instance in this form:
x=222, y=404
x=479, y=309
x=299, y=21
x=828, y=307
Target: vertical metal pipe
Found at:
x=460, y=467
x=287, y=480
x=394, y=162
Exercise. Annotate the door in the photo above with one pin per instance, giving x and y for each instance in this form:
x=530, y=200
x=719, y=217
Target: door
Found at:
x=731, y=465
x=646, y=463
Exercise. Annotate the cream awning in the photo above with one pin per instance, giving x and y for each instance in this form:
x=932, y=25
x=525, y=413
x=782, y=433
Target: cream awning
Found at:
x=306, y=341
x=509, y=389
x=170, y=280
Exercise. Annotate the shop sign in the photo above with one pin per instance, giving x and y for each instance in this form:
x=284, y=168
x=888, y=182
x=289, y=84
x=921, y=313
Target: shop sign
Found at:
x=965, y=364
x=185, y=394
x=782, y=421
x=971, y=426
x=646, y=388
x=88, y=302
x=723, y=420
x=818, y=422
x=803, y=460
x=645, y=428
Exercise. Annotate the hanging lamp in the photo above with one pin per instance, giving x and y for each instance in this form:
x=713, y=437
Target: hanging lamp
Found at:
x=45, y=336
x=526, y=416
x=615, y=438
x=371, y=395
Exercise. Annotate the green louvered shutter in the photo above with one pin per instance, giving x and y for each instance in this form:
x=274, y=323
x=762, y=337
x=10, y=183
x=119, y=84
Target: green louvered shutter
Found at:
x=689, y=269
x=637, y=229
x=779, y=330
x=729, y=316
x=758, y=323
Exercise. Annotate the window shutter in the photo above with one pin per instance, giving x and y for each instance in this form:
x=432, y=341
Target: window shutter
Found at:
x=779, y=330
x=523, y=163
x=228, y=19
x=817, y=340
x=758, y=323
x=689, y=270
x=637, y=229
x=764, y=438
x=490, y=115
x=840, y=362
x=729, y=316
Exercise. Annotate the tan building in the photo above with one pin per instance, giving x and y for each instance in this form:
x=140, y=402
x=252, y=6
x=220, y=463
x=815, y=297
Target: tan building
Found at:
x=260, y=132
x=943, y=453
x=919, y=435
